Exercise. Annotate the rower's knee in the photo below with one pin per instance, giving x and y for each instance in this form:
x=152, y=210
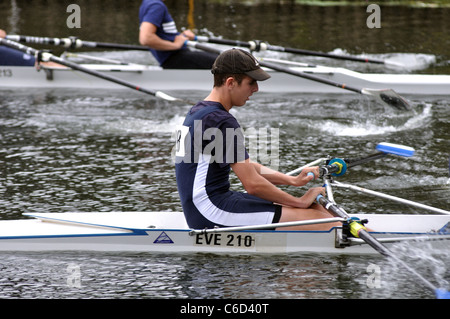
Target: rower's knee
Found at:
x=290, y=214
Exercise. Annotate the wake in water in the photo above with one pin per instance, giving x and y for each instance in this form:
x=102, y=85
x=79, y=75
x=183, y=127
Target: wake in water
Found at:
x=365, y=123
x=374, y=125
x=394, y=62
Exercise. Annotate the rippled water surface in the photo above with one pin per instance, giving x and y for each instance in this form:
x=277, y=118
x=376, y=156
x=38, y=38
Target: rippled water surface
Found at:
x=85, y=150
x=110, y=151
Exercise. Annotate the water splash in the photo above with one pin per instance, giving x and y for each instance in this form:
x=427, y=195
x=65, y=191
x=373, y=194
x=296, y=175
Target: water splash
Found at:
x=374, y=125
x=428, y=259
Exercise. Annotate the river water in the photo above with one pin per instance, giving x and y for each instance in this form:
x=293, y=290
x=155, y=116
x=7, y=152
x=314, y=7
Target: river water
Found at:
x=73, y=150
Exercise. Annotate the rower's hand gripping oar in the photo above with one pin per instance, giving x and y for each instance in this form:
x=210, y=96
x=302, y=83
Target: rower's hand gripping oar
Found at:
x=385, y=96
x=45, y=56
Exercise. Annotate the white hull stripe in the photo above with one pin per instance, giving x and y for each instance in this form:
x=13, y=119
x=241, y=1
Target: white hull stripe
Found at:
x=170, y=27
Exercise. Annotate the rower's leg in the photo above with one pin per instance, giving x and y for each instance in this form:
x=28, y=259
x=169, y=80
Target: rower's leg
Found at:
x=290, y=214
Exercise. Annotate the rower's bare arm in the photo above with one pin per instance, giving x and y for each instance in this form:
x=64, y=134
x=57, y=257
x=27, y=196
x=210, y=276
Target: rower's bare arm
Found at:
x=255, y=184
x=278, y=178
x=149, y=38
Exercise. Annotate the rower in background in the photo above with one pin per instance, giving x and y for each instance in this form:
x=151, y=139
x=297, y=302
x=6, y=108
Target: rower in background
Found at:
x=158, y=31
x=12, y=57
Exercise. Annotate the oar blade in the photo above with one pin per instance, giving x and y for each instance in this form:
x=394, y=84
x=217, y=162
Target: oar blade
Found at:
x=389, y=97
x=442, y=294
x=395, y=149
x=166, y=97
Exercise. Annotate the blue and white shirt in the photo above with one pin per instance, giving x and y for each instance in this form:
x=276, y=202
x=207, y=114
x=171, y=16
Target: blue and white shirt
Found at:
x=13, y=57
x=208, y=142
x=156, y=13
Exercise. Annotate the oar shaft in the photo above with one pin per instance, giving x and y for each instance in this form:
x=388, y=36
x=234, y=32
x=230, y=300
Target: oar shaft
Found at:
x=359, y=161
x=260, y=45
x=279, y=68
x=66, y=42
x=107, y=45
x=267, y=226
x=224, y=41
x=392, y=198
x=393, y=99
x=74, y=43
x=291, y=71
x=375, y=244
x=50, y=57
x=324, y=55
x=372, y=241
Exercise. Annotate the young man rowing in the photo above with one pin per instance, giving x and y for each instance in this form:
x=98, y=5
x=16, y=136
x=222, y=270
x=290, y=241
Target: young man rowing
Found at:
x=210, y=142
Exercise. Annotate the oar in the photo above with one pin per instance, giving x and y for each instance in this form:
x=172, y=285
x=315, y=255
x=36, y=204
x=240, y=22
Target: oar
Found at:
x=392, y=198
x=338, y=167
x=262, y=46
x=74, y=43
x=267, y=226
x=45, y=56
x=386, y=96
x=360, y=231
x=356, y=228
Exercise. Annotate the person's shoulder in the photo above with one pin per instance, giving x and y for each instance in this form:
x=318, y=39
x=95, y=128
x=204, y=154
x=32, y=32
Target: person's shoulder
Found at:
x=222, y=118
x=153, y=3
x=152, y=6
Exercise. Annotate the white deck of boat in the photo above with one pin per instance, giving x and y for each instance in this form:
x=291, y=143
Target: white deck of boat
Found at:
x=129, y=220
x=125, y=222
x=99, y=223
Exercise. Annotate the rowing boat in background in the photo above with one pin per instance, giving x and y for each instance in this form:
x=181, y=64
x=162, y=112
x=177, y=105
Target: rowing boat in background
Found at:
x=154, y=77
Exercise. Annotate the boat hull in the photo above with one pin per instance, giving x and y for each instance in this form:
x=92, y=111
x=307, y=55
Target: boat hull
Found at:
x=167, y=232
x=155, y=78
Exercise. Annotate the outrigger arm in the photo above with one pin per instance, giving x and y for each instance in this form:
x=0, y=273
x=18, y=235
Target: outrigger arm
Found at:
x=266, y=226
x=390, y=197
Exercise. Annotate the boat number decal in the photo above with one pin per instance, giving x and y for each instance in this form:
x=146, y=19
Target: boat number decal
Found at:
x=6, y=73
x=163, y=238
x=225, y=240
